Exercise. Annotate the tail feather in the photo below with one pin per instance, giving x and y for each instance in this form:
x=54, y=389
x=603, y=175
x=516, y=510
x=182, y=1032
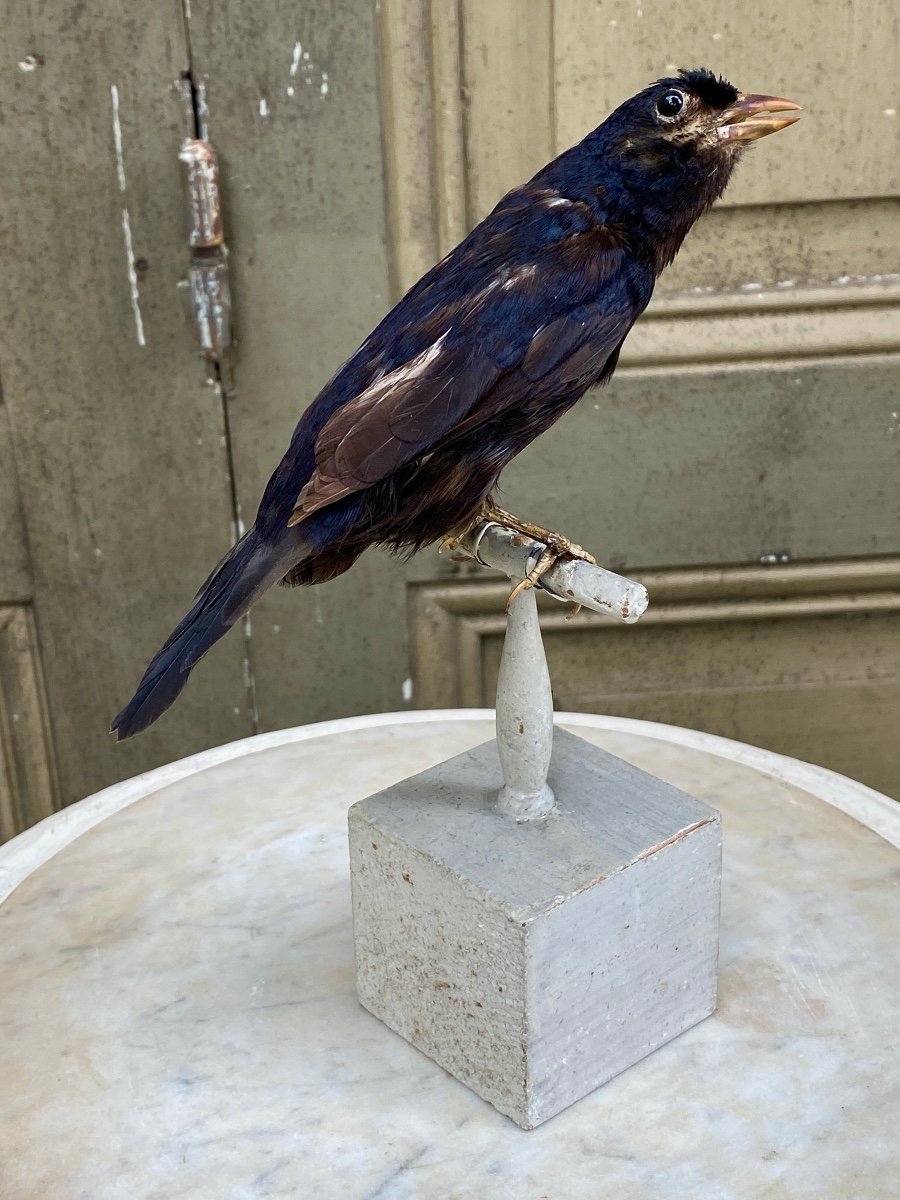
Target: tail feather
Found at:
x=246, y=571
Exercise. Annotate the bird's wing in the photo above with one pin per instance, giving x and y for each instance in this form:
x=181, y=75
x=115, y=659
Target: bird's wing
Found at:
x=550, y=323
x=394, y=420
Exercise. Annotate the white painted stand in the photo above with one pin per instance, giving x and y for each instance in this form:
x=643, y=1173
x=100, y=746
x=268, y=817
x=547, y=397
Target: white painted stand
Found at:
x=536, y=914
x=524, y=697
x=524, y=716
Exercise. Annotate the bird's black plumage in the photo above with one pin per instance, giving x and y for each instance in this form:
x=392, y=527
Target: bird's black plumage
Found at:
x=482, y=355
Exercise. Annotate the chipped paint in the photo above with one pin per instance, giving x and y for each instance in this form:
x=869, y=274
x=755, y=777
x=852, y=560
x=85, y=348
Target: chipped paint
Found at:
x=202, y=111
x=29, y=63
x=133, y=279
x=786, y=285
x=406, y=690
x=302, y=66
x=263, y=107
x=117, y=137
x=670, y=841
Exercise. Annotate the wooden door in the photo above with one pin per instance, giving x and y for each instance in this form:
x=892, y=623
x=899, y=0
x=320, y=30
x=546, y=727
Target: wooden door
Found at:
x=757, y=402
x=28, y=785
x=136, y=459
x=744, y=461
x=117, y=439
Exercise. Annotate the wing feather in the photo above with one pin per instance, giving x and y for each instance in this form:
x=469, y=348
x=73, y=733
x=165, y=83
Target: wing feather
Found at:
x=394, y=420
x=525, y=331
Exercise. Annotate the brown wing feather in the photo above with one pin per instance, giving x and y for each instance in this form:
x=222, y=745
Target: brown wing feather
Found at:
x=451, y=388
x=393, y=420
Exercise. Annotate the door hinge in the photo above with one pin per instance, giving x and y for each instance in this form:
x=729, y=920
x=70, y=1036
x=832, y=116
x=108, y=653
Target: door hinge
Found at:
x=210, y=297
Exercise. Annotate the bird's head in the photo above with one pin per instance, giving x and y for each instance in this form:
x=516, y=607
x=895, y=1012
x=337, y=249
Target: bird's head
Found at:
x=697, y=112
x=676, y=143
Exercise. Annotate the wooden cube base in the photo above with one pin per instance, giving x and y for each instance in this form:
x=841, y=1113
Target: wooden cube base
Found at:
x=535, y=961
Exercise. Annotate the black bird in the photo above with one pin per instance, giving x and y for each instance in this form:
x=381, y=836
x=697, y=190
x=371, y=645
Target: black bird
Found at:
x=406, y=442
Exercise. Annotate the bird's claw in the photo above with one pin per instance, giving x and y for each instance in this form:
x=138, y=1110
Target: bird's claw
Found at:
x=556, y=547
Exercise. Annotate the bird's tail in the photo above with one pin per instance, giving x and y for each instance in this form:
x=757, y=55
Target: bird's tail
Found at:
x=247, y=570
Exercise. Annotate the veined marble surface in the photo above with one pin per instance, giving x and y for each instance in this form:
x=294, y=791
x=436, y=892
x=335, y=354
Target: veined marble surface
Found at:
x=178, y=1016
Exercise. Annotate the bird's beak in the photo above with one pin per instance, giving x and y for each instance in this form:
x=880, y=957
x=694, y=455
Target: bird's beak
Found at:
x=752, y=117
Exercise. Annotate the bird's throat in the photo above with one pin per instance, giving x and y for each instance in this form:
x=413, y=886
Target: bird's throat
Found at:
x=663, y=195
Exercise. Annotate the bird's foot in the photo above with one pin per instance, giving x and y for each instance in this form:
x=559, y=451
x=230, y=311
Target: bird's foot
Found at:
x=566, y=548
x=556, y=546
x=452, y=543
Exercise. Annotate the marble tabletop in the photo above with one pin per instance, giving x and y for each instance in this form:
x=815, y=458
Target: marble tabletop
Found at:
x=178, y=1017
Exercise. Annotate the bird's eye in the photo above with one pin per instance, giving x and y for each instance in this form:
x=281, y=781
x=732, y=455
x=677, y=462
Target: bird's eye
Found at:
x=670, y=105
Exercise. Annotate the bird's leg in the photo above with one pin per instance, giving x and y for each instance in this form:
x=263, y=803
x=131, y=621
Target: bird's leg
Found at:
x=548, y=557
x=561, y=544
x=556, y=546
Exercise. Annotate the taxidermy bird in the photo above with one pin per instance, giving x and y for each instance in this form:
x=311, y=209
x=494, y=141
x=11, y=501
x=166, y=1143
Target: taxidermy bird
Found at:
x=404, y=445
